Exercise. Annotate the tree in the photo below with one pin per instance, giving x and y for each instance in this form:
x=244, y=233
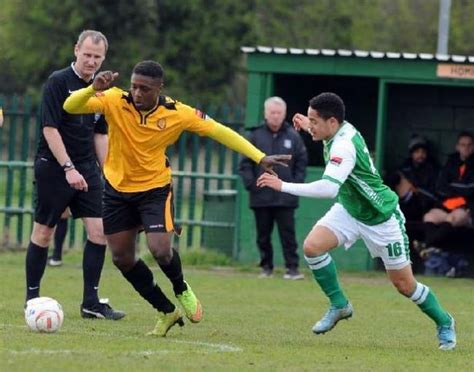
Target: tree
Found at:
x=383, y=25
x=49, y=29
x=198, y=41
x=199, y=45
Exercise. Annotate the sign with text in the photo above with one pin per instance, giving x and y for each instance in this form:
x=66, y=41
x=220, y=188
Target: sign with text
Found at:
x=455, y=71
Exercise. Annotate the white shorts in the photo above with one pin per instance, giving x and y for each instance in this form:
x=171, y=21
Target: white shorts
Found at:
x=387, y=240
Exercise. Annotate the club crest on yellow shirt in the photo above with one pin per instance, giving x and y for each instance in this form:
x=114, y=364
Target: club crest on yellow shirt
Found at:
x=161, y=124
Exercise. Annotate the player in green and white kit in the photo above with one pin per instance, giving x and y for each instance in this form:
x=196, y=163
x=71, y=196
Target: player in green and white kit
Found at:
x=366, y=208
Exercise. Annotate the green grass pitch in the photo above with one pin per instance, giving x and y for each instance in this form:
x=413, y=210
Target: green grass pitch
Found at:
x=248, y=324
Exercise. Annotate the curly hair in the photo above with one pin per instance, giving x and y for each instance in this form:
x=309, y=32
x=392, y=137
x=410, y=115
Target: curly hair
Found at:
x=329, y=105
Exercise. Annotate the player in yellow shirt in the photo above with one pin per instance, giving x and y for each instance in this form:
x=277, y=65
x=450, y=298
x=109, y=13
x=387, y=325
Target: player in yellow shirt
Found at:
x=138, y=189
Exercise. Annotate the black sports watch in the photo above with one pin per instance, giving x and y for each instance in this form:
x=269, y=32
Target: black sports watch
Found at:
x=68, y=165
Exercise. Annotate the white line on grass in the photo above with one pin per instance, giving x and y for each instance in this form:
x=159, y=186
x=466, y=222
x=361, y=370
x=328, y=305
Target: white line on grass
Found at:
x=222, y=348
x=86, y=352
x=212, y=347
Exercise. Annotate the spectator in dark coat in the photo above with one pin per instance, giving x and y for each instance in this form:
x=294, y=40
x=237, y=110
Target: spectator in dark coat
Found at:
x=456, y=188
x=276, y=136
x=415, y=181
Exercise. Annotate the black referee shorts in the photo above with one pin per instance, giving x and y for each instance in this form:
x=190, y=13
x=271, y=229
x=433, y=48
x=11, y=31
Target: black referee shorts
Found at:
x=152, y=209
x=53, y=193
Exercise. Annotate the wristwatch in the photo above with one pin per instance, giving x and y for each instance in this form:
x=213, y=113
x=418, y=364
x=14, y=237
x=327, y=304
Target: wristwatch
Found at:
x=68, y=166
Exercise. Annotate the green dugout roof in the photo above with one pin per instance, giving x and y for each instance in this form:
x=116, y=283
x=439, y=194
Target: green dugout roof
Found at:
x=270, y=70
x=358, y=62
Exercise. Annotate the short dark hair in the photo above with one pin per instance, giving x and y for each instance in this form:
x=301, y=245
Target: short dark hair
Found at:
x=149, y=68
x=465, y=133
x=329, y=105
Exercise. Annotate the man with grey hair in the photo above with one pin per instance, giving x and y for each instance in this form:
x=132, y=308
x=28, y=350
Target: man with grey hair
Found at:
x=67, y=174
x=276, y=136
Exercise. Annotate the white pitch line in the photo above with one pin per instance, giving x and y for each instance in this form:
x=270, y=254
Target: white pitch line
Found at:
x=218, y=348
x=86, y=352
x=212, y=347
x=223, y=348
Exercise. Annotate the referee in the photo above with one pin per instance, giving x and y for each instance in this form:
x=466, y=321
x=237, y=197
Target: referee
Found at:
x=67, y=174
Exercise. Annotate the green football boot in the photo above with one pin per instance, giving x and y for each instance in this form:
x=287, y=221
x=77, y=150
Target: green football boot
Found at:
x=191, y=305
x=166, y=321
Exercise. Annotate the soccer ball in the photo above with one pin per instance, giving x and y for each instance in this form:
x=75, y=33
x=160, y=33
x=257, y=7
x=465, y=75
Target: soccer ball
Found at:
x=44, y=314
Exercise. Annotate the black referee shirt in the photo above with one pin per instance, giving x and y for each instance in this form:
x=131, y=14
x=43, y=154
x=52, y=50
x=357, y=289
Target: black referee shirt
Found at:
x=77, y=131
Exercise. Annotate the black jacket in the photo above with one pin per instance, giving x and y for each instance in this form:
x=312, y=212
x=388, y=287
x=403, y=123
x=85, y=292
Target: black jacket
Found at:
x=423, y=177
x=452, y=184
x=286, y=141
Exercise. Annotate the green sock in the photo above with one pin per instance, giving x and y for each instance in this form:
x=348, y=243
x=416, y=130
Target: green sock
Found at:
x=324, y=272
x=429, y=304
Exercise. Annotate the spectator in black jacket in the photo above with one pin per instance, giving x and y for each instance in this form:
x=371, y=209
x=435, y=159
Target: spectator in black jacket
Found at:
x=456, y=187
x=415, y=181
x=276, y=136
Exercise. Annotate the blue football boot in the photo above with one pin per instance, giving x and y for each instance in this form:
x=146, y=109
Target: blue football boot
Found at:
x=332, y=316
x=447, y=336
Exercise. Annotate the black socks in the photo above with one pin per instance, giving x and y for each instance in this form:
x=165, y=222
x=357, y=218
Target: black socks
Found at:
x=92, y=264
x=141, y=278
x=35, y=264
x=174, y=272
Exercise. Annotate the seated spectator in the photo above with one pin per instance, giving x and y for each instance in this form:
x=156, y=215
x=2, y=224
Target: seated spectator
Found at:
x=415, y=180
x=456, y=187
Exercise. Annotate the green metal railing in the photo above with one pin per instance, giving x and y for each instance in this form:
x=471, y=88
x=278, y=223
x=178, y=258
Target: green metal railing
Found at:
x=199, y=165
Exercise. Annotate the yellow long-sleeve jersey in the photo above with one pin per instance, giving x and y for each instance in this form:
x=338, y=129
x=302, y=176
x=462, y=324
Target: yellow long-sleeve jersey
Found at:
x=136, y=159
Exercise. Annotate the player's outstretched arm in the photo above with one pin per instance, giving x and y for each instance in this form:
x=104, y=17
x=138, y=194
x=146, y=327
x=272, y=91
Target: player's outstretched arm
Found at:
x=269, y=180
x=78, y=101
x=82, y=101
x=235, y=141
x=269, y=161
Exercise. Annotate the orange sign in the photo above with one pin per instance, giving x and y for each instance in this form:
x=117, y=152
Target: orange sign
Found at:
x=455, y=71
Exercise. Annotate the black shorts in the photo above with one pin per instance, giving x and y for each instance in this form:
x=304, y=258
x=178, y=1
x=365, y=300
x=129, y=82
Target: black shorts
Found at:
x=152, y=210
x=54, y=195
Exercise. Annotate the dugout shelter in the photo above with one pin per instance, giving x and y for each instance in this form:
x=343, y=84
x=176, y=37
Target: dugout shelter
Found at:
x=389, y=97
